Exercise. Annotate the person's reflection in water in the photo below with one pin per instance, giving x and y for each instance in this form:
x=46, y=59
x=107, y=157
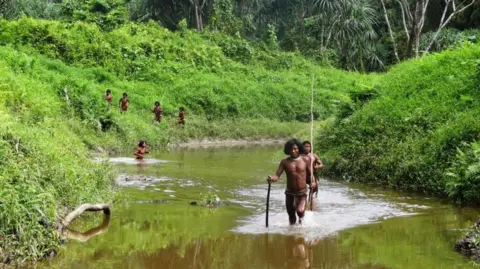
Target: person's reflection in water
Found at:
x=182, y=159
x=299, y=254
x=140, y=166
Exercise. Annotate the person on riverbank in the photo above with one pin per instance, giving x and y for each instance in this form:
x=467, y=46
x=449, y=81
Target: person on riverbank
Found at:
x=297, y=167
x=141, y=150
x=317, y=164
x=108, y=97
x=124, y=102
x=158, y=111
x=181, y=116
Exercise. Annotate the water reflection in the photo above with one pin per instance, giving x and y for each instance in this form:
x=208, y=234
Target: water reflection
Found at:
x=85, y=236
x=358, y=227
x=298, y=252
x=140, y=166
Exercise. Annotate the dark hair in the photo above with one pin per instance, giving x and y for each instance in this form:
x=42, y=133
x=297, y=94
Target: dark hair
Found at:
x=125, y=94
x=157, y=102
x=141, y=143
x=306, y=142
x=181, y=108
x=289, y=145
x=109, y=91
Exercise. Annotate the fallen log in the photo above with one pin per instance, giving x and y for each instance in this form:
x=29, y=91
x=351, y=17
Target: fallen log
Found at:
x=85, y=207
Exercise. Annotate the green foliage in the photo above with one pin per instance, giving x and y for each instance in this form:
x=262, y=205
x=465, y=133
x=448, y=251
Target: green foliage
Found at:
x=106, y=14
x=450, y=38
x=44, y=169
x=407, y=137
x=463, y=177
x=32, y=8
x=208, y=198
x=53, y=77
x=206, y=72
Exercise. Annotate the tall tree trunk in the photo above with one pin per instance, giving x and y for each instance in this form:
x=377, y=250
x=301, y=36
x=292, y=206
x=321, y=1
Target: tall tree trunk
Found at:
x=420, y=11
x=197, y=17
x=415, y=19
x=394, y=44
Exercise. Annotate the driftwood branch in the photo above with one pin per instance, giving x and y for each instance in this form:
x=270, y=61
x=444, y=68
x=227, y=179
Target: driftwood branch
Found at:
x=85, y=207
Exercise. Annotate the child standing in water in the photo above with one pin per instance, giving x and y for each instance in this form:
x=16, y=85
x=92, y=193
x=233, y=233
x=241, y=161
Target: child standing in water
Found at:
x=181, y=116
x=158, y=111
x=124, y=102
x=141, y=150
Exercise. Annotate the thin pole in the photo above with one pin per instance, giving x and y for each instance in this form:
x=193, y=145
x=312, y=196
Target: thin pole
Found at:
x=312, y=178
x=268, y=199
x=311, y=114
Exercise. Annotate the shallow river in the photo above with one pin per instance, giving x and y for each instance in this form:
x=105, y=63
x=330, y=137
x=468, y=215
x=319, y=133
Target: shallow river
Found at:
x=350, y=226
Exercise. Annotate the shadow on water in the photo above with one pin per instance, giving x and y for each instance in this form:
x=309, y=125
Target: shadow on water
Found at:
x=350, y=226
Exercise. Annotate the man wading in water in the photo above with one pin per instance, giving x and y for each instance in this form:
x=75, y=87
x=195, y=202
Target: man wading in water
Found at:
x=297, y=167
x=317, y=164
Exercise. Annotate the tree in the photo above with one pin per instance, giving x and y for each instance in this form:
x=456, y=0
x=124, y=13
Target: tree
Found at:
x=390, y=31
x=413, y=18
x=348, y=26
x=456, y=8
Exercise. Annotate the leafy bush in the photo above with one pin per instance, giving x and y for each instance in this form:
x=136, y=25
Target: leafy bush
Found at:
x=44, y=169
x=450, y=38
x=407, y=137
x=463, y=177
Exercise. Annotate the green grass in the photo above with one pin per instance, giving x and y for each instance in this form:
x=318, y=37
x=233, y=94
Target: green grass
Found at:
x=230, y=89
x=408, y=136
x=400, y=129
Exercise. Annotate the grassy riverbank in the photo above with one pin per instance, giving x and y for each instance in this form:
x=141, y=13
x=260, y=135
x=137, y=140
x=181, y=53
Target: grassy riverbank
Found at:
x=420, y=132
x=401, y=129
x=231, y=90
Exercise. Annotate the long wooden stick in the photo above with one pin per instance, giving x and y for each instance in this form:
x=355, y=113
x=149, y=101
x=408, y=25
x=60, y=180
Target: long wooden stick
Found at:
x=312, y=178
x=268, y=200
x=311, y=114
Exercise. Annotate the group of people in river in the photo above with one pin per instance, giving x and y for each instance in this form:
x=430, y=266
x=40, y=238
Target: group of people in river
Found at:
x=124, y=102
x=300, y=167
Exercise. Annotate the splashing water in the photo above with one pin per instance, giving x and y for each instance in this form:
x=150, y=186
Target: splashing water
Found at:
x=336, y=208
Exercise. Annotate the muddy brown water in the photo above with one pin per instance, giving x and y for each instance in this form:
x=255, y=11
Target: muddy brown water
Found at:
x=350, y=226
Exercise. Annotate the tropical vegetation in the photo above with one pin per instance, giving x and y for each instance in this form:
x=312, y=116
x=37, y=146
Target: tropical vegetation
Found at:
x=242, y=69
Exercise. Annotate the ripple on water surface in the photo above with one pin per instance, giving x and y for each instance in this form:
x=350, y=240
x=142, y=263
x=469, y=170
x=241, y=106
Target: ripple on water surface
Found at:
x=126, y=160
x=336, y=208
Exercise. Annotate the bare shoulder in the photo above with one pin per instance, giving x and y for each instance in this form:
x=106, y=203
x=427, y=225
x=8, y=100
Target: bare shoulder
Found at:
x=306, y=159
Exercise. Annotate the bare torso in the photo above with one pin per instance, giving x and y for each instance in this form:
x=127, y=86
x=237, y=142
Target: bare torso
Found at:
x=296, y=171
